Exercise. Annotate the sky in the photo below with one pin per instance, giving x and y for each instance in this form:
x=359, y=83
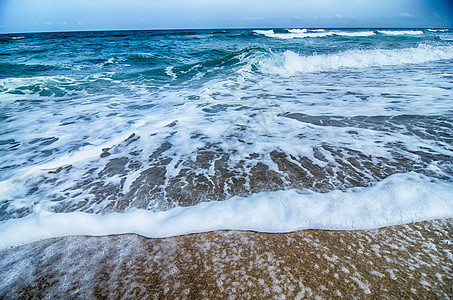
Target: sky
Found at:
x=80, y=15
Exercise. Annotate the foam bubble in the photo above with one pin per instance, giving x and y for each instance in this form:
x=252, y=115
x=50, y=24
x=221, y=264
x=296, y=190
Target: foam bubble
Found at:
x=403, y=198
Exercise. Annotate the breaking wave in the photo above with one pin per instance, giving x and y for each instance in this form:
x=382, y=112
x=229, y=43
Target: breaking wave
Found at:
x=401, y=32
x=314, y=33
x=290, y=63
x=305, y=33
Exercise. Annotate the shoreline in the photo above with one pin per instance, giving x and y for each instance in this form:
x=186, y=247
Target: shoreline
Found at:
x=403, y=198
x=403, y=261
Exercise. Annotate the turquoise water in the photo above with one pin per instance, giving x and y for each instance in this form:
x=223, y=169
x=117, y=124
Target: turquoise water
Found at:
x=106, y=122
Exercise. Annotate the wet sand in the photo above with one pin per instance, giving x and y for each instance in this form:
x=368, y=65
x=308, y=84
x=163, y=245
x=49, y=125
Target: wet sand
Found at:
x=412, y=261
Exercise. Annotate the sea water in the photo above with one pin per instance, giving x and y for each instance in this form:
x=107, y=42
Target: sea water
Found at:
x=163, y=133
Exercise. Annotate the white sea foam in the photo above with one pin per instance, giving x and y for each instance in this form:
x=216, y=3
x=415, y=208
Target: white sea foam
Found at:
x=169, y=72
x=401, y=32
x=15, y=82
x=264, y=32
x=298, y=30
x=83, y=153
x=293, y=34
x=402, y=198
x=290, y=63
x=304, y=33
x=358, y=34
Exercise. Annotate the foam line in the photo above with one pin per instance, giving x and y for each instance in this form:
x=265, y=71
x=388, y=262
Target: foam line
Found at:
x=403, y=198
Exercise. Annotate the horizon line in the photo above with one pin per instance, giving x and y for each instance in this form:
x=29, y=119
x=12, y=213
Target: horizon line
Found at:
x=216, y=28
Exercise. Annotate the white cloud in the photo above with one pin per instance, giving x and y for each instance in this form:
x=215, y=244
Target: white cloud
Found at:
x=339, y=16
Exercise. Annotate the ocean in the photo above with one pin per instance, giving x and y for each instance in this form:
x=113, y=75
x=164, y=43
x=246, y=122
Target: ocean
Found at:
x=165, y=133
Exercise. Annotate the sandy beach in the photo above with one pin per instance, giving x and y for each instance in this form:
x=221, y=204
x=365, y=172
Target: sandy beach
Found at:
x=411, y=261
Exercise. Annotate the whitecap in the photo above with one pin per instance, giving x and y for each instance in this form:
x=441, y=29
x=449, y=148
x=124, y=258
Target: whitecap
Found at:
x=293, y=33
x=169, y=72
x=298, y=30
x=290, y=63
x=304, y=33
x=264, y=32
x=401, y=32
x=354, y=34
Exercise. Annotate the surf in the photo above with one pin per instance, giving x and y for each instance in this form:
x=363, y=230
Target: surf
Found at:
x=403, y=198
x=290, y=63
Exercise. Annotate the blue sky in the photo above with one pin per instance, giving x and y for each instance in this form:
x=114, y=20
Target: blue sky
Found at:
x=68, y=15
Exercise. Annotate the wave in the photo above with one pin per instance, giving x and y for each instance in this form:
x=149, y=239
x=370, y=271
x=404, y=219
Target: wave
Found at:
x=53, y=85
x=298, y=30
x=290, y=63
x=217, y=61
x=294, y=33
x=403, y=198
x=264, y=32
x=400, y=32
x=312, y=33
x=352, y=34
x=8, y=70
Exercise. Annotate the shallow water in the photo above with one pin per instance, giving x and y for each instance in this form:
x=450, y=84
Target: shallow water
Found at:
x=104, y=122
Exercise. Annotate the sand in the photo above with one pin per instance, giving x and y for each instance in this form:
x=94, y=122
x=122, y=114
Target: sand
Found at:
x=400, y=262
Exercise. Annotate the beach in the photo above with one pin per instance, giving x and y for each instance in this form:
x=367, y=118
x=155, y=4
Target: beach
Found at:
x=411, y=261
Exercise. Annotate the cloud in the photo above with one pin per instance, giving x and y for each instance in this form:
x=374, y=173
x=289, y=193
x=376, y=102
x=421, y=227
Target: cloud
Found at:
x=339, y=16
x=406, y=15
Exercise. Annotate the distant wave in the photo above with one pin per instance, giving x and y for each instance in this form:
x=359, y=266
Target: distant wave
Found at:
x=305, y=33
x=293, y=33
x=290, y=63
x=298, y=30
x=360, y=33
x=401, y=32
